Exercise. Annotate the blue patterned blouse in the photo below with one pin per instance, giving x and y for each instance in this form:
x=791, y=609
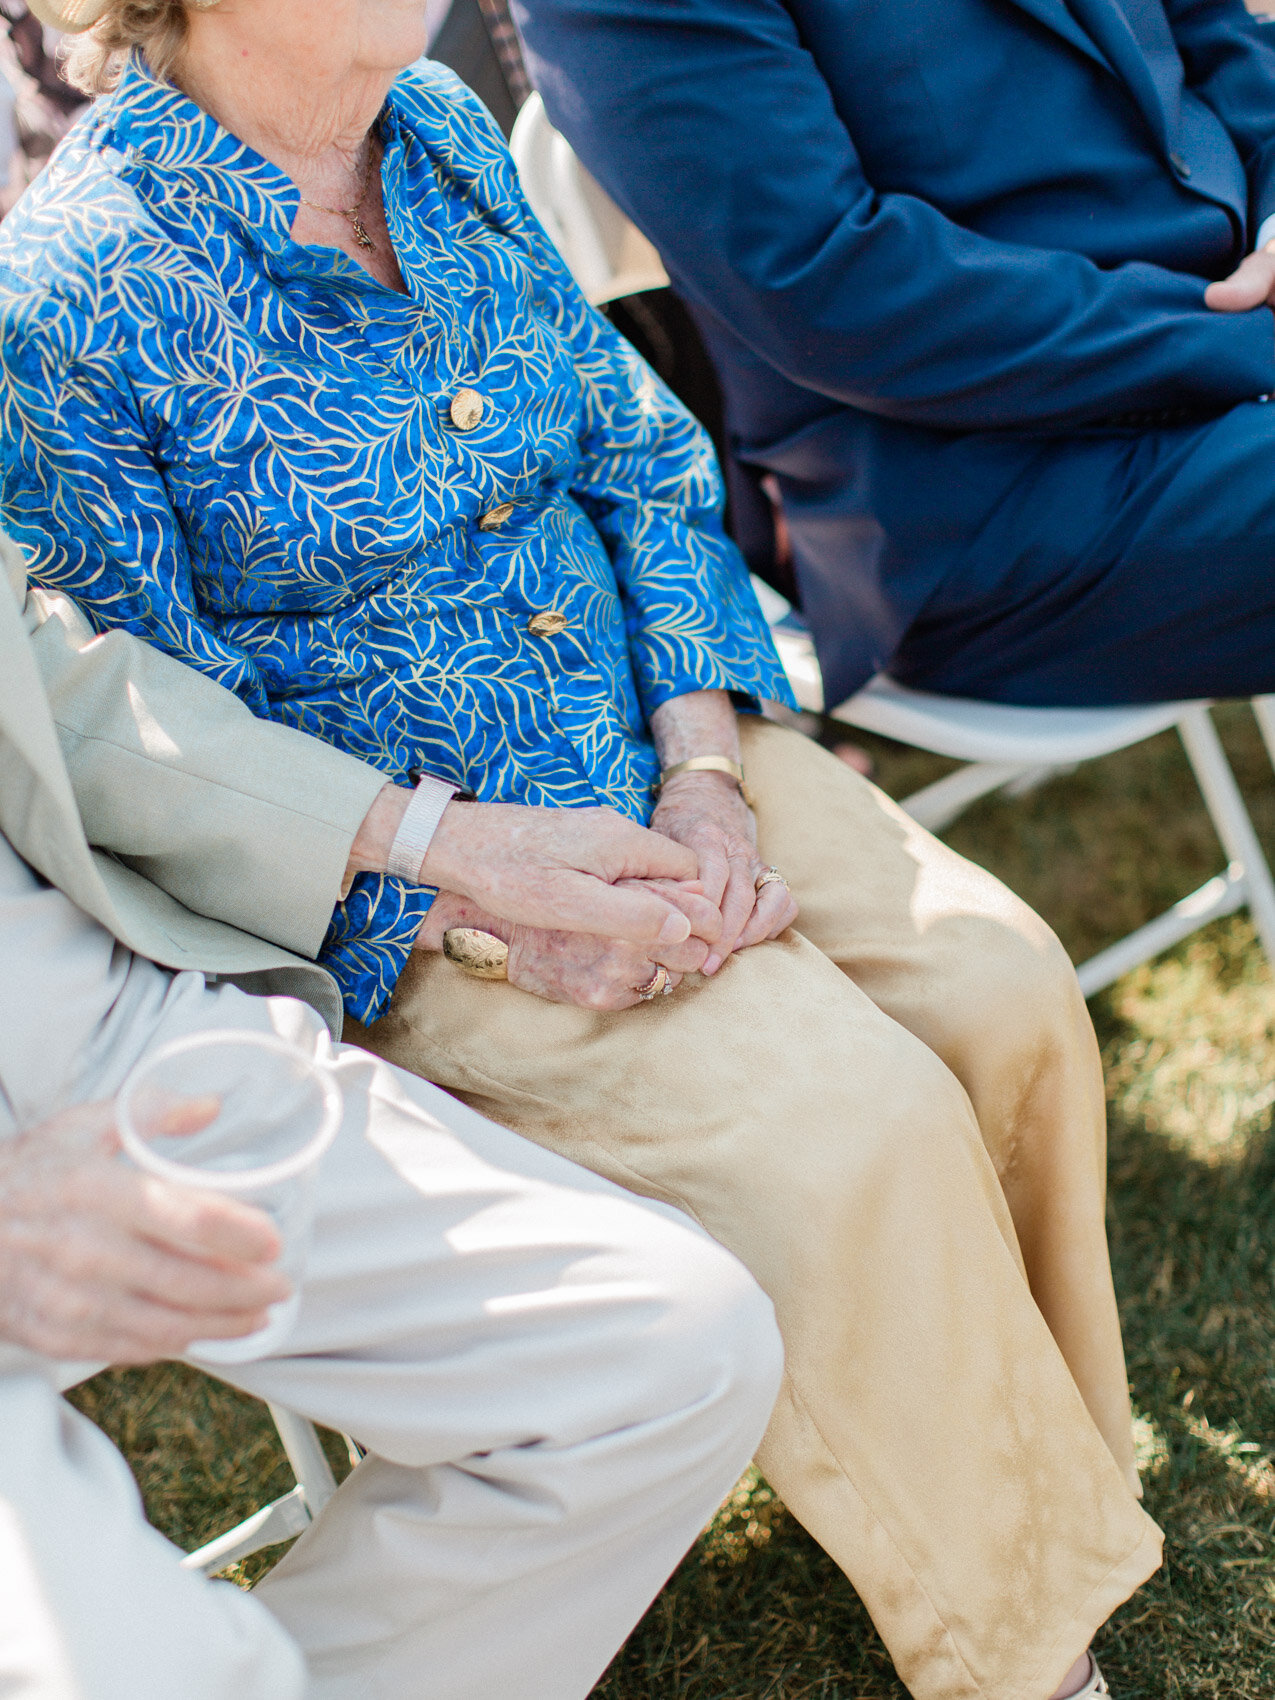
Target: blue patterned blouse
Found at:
x=244, y=450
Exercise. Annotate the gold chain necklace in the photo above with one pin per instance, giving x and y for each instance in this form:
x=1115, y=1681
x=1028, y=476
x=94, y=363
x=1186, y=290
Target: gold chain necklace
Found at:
x=352, y=214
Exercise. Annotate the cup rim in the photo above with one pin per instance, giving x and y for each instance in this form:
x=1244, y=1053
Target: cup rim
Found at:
x=242, y=1180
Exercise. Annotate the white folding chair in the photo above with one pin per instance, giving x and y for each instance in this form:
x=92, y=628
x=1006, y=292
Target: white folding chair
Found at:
x=283, y=1517
x=1006, y=748
x=1013, y=749
x=291, y=1512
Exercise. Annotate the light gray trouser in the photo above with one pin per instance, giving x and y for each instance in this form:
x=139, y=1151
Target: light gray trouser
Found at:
x=556, y=1382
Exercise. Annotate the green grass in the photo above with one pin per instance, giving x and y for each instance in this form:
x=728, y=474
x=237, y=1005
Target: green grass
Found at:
x=756, y=1612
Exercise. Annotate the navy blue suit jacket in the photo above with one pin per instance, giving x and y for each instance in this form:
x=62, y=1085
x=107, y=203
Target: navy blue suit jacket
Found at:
x=922, y=236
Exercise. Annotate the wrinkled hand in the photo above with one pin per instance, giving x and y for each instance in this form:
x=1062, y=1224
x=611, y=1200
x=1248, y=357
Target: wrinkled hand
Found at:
x=568, y=870
x=572, y=967
x=706, y=813
x=1251, y=284
x=98, y=1261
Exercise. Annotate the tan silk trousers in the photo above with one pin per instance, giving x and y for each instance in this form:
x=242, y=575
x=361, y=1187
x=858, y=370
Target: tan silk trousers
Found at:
x=895, y=1117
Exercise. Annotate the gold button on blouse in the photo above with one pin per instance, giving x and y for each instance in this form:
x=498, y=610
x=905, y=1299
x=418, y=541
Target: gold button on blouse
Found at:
x=467, y=409
x=548, y=623
x=495, y=517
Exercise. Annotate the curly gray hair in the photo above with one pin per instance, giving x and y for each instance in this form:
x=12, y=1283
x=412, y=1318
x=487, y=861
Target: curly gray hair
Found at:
x=156, y=29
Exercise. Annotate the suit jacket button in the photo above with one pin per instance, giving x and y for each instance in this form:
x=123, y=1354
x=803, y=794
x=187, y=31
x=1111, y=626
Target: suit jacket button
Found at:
x=1179, y=164
x=548, y=623
x=467, y=408
x=495, y=517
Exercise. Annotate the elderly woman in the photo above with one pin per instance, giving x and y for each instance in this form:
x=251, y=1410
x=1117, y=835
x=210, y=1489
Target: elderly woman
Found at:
x=295, y=387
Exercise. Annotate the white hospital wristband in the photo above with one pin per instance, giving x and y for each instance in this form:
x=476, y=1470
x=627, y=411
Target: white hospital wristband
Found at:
x=418, y=825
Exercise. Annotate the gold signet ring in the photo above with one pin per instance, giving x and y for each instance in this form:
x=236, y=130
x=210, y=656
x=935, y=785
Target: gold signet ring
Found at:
x=480, y=954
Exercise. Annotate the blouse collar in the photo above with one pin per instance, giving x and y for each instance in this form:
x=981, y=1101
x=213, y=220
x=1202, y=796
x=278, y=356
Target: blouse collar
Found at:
x=152, y=123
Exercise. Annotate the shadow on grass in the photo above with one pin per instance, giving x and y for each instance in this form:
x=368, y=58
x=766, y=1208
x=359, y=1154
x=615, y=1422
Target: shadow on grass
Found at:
x=1194, y=1256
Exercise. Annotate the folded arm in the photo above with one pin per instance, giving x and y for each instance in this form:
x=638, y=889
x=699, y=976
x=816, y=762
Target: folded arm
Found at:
x=714, y=128
x=1229, y=57
x=262, y=826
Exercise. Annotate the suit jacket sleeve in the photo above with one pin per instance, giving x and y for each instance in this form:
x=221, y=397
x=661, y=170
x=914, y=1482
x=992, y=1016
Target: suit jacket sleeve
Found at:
x=240, y=819
x=1229, y=57
x=711, y=123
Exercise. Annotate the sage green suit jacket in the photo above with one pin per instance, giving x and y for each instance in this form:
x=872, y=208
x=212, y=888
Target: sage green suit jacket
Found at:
x=199, y=835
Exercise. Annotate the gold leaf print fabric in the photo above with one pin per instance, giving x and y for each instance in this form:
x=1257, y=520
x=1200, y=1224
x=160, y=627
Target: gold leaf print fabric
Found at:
x=245, y=451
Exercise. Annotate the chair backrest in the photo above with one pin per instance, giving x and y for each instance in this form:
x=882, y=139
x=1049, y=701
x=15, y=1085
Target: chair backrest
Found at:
x=606, y=252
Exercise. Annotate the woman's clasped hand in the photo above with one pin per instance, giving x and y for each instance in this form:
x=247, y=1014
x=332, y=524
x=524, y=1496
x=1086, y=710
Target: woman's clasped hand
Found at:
x=591, y=904
x=707, y=813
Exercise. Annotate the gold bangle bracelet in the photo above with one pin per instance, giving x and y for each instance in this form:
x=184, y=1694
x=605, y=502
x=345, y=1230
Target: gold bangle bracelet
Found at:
x=708, y=764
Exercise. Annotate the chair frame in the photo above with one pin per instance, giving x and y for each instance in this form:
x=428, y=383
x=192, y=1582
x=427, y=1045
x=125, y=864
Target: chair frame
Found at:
x=1246, y=880
x=292, y=1512
x=284, y=1517
x=1016, y=749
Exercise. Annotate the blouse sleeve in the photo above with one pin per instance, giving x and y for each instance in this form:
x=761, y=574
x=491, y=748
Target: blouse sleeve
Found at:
x=79, y=488
x=649, y=480
x=648, y=477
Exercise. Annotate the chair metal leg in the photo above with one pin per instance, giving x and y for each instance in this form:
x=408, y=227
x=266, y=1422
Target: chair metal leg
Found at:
x=1222, y=895
x=1264, y=710
x=1031, y=781
x=283, y=1517
x=1247, y=879
x=1231, y=819
x=278, y=1521
x=305, y=1454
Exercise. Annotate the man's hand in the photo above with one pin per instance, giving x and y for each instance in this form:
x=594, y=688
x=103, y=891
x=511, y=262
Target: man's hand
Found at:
x=100, y=1262
x=560, y=870
x=571, y=870
x=1251, y=284
x=706, y=813
x=569, y=967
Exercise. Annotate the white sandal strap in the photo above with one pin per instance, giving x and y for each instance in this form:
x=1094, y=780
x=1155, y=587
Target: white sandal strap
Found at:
x=1097, y=1684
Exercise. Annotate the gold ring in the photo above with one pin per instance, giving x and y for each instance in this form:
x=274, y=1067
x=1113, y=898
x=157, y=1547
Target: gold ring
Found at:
x=770, y=876
x=481, y=954
x=657, y=984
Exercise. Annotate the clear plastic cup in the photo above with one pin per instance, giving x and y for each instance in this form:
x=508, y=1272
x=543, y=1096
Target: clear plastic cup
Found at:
x=263, y=1112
